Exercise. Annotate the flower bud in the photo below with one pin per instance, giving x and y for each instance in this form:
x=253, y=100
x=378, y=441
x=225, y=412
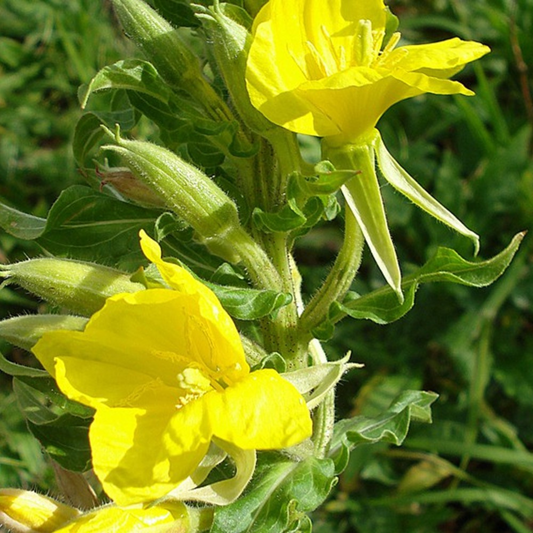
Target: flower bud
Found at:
x=25, y=511
x=230, y=45
x=170, y=55
x=161, y=43
x=24, y=331
x=77, y=286
x=124, y=182
x=186, y=190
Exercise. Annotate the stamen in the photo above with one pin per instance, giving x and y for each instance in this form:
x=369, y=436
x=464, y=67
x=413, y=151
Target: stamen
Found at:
x=298, y=62
x=393, y=41
x=331, y=48
x=317, y=63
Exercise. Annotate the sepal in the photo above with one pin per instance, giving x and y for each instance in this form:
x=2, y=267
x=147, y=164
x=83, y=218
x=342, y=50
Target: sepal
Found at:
x=221, y=492
x=407, y=186
x=316, y=381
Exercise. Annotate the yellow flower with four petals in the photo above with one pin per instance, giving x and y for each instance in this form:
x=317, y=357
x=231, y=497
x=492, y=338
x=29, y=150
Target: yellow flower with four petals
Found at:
x=326, y=69
x=166, y=373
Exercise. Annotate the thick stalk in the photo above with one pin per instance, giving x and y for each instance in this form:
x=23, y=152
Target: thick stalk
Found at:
x=339, y=278
x=287, y=152
x=260, y=268
x=281, y=332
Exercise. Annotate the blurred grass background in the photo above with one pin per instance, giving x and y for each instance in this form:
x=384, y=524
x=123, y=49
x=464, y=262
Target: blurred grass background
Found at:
x=472, y=469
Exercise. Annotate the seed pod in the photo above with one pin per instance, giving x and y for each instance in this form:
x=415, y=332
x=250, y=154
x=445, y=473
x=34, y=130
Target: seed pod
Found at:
x=80, y=287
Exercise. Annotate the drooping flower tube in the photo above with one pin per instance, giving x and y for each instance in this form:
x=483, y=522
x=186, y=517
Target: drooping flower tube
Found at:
x=166, y=373
x=22, y=510
x=324, y=69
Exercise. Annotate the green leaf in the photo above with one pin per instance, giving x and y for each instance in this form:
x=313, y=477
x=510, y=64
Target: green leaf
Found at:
x=66, y=440
x=249, y=304
x=328, y=180
x=54, y=421
x=391, y=426
x=87, y=134
x=177, y=12
x=14, y=369
x=88, y=131
x=382, y=306
x=41, y=400
x=129, y=74
x=286, y=219
x=88, y=225
x=20, y=225
x=279, y=495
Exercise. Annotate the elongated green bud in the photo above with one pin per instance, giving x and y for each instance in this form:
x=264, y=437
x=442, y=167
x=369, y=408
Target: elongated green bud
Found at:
x=230, y=43
x=79, y=287
x=186, y=190
x=170, y=55
x=24, y=331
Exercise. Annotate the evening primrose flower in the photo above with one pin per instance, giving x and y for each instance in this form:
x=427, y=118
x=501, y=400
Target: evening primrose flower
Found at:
x=324, y=69
x=26, y=511
x=166, y=373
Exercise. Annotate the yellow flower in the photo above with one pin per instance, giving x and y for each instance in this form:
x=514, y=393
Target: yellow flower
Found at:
x=320, y=68
x=22, y=510
x=166, y=373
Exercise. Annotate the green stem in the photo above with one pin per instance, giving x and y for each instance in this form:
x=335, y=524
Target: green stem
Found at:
x=260, y=268
x=339, y=278
x=281, y=332
x=287, y=154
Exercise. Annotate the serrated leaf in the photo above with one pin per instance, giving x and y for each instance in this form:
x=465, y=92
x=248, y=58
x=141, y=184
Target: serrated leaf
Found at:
x=279, y=495
x=249, y=304
x=390, y=427
x=286, y=219
x=128, y=74
x=382, y=306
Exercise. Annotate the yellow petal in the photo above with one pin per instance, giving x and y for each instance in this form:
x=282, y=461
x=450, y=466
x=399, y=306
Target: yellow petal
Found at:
x=129, y=520
x=133, y=456
x=428, y=84
x=22, y=510
x=262, y=412
x=134, y=341
x=315, y=67
x=444, y=55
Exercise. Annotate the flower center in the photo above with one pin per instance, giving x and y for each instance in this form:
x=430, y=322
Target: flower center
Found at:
x=193, y=384
x=324, y=57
